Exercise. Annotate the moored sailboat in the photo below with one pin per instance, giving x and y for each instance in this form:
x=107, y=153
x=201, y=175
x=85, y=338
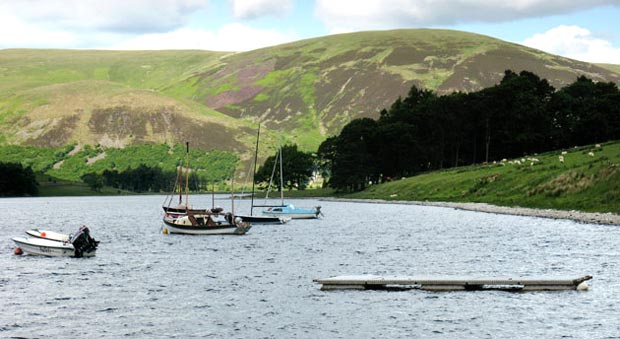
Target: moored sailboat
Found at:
x=293, y=212
x=183, y=219
x=287, y=210
x=260, y=219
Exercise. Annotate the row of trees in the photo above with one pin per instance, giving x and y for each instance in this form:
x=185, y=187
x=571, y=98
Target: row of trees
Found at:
x=140, y=179
x=521, y=115
x=297, y=169
x=17, y=180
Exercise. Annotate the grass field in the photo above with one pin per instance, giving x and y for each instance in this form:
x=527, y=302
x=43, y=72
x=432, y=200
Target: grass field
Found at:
x=54, y=187
x=587, y=180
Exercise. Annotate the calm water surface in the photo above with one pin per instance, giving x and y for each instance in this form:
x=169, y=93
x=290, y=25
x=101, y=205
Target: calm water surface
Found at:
x=143, y=284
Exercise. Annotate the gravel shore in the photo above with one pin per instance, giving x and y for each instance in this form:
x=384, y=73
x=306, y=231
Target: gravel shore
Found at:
x=591, y=218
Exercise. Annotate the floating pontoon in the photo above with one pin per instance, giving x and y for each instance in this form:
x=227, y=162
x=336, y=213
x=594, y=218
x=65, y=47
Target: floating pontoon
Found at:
x=373, y=282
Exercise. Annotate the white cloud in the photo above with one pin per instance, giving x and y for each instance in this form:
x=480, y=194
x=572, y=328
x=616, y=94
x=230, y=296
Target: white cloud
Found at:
x=232, y=37
x=15, y=34
x=250, y=9
x=127, y=16
x=131, y=24
x=576, y=43
x=352, y=15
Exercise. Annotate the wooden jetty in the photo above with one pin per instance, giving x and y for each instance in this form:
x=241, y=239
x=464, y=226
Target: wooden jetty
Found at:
x=373, y=282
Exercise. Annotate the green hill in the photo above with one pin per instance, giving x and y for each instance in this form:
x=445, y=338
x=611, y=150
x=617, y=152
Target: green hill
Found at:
x=314, y=87
x=304, y=91
x=611, y=67
x=587, y=180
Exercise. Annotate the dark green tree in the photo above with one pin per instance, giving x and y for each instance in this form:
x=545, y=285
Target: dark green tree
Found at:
x=94, y=181
x=144, y=179
x=586, y=112
x=326, y=156
x=356, y=164
x=15, y=180
x=297, y=168
x=521, y=115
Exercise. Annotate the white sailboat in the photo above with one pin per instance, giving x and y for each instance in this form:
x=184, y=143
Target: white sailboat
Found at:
x=286, y=210
x=260, y=219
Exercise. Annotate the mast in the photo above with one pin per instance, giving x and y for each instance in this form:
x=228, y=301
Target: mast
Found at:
x=254, y=169
x=187, y=175
x=232, y=194
x=281, y=177
x=180, y=182
x=212, y=195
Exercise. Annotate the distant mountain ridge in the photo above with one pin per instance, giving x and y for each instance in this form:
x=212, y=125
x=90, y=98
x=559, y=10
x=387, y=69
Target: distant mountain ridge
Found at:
x=305, y=90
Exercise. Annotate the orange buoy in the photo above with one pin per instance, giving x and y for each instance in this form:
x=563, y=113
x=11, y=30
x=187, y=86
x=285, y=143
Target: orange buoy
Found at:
x=43, y=234
x=18, y=251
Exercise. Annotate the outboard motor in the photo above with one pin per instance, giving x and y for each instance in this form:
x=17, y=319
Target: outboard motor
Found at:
x=229, y=218
x=318, y=211
x=83, y=242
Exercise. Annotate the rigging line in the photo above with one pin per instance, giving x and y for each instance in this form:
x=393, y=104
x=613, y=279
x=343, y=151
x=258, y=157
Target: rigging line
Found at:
x=170, y=196
x=254, y=169
x=273, y=171
x=281, y=175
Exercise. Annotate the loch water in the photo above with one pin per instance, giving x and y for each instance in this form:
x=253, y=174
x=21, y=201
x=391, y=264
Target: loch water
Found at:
x=145, y=284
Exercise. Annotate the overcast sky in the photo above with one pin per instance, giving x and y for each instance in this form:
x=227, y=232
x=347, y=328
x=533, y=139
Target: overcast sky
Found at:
x=587, y=30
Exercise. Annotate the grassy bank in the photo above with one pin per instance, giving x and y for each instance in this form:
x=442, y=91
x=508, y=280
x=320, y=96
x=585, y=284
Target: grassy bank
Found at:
x=54, y=187
x=588, y=180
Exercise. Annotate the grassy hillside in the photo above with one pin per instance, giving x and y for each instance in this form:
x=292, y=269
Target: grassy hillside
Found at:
x=303, y=91
x=307, y=89
x=313, y=87
x=611, y=67
x=69, y=163
x=587, y=180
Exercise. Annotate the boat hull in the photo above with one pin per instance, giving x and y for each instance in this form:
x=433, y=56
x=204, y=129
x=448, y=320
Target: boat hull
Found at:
x=290, y=211
x=292, y=215
x=48, y=248
x=173, y=226
x=264, y=219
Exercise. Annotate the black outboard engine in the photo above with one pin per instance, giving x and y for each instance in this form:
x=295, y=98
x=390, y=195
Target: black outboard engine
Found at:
x=83, y=242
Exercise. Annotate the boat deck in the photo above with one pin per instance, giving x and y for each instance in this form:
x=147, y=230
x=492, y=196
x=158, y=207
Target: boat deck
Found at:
x=372, y=282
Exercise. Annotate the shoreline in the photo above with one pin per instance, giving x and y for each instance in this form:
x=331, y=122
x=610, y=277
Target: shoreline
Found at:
x=584, y=217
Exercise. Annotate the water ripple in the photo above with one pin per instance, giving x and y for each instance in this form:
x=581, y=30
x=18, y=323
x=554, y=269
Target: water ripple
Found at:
x=143, y=284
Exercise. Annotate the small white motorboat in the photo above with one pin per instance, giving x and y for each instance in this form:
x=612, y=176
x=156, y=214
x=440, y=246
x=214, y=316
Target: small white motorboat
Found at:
x=79, y=245
x=49, y=235
x=46, y=247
